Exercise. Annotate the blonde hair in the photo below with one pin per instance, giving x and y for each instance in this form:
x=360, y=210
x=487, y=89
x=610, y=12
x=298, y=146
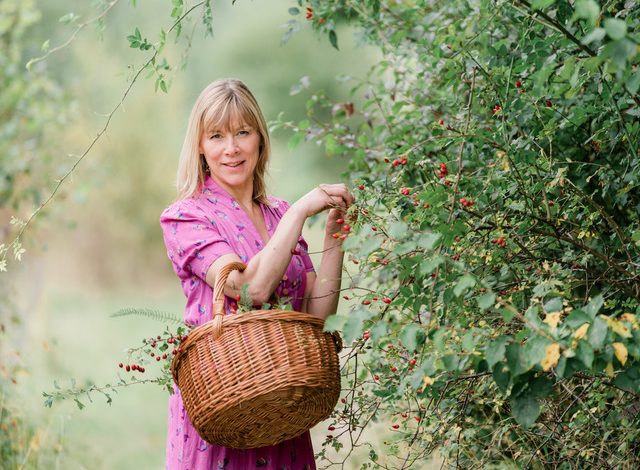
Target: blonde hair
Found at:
x=221, y=103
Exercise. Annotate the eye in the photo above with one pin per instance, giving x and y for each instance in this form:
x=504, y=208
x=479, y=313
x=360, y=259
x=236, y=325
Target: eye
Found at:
x=216, y=135
x=244, y=132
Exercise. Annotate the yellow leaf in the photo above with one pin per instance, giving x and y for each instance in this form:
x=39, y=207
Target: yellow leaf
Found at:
x=618, y=327
x=551, y=357
x=609, y=369
x=427, y=381
x=631, y=318
x=580, y=332
x=552, y=319
x=620, y=350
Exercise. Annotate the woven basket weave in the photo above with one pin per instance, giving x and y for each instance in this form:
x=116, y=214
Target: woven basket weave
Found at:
x=256, y=379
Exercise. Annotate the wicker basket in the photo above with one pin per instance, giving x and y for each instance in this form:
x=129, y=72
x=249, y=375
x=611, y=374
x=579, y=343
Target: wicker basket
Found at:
x=258, y=378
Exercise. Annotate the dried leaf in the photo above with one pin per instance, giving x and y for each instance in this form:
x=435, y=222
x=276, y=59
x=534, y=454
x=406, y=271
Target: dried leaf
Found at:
x=580, y=332
x=620, y=350
x=551, y=357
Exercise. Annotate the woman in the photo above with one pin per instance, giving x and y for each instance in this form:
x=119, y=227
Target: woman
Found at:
x=223, y=214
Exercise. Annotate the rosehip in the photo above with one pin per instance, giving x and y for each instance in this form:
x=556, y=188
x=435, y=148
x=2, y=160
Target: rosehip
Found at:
x=548, y=103
x=395, y=426
x=340, y=221
x=518, y=83
x=346, y=227
x=128, y=368
x=376, y=377
x=361, y=187
x=405, y=191
x=366, y=302
x=386, y=300
x=331, y=428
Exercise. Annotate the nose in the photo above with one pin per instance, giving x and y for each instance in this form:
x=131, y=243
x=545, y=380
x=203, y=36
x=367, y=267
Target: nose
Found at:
x=230, y=144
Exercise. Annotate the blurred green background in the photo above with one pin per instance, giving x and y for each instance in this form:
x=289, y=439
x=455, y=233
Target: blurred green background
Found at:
x=99, y=248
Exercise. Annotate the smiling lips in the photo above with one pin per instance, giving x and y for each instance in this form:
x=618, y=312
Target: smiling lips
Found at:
x=233, y=165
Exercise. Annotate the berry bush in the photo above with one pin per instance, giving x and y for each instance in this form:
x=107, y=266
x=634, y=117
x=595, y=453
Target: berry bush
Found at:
x=496, y=271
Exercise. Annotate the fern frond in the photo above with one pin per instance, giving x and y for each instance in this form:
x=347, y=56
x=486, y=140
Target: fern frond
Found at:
x=149, y=313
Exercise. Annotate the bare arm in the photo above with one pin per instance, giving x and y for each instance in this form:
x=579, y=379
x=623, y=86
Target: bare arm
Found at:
x=325, y=291
x=265, y=270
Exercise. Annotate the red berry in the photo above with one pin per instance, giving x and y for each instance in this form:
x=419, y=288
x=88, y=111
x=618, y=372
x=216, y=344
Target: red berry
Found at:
x=343, y=400
x=425, y=206
x=518, y=83
x=340, y=221
x=336, y=235
x=366, y=334
x=237, y=297
x=404, y=415
x=395, y=426
x=376, y=377
x=374, y=298
x=394, y=369
x=548, y=103
x=441, y=122
x=309, y=13
x=412, y=362
x=128, y=368
x=346, y=227
x=331, y=428
x=152, y=354
x=120, y=365
x=390, y=346
x=386, y=300
x=141, y=369
x=405, y=191
x=361, y=187
x=366, y=302
x=158, y=358
x=345, y=297
x=418, y=418
x=164, y=356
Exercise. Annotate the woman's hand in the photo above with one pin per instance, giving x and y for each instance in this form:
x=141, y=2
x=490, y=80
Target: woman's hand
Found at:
x=325, y=196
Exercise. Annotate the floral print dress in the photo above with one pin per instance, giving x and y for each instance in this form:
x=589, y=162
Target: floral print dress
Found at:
x=197, y=231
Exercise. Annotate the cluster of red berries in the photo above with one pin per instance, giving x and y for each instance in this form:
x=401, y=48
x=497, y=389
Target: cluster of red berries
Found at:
x=443, y=171
x=500, y=241
x=466, y=202
x=132, y=367
x=399, y=161
x=497, y=108
x=153, y=342
x=405, y=191
x=309, y=13
x=346, y=229
x=386, y=300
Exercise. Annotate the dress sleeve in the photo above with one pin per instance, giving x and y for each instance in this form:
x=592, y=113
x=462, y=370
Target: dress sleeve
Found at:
x=193, y=241
x=302, y=243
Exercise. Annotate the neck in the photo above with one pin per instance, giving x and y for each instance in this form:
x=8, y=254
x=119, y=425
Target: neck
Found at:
x=242, y=195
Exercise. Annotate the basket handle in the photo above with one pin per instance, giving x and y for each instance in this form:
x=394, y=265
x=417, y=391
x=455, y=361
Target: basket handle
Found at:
x=218, y=295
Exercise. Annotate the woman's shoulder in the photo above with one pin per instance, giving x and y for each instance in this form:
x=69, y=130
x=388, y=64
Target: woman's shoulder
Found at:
x=278, y=204
x=181, y=208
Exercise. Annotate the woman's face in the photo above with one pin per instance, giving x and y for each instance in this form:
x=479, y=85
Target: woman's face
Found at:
x=232, y=154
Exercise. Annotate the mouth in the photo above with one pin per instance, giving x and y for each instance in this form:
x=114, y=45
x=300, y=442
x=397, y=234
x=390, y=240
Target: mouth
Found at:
x=234, y=164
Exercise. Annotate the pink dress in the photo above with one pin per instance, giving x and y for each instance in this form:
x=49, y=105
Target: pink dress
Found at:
x=196, y=232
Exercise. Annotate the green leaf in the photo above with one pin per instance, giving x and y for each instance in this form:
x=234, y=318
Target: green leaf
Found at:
x=501, y=376
x=541, y=4
x=334, y=323
x=534, y=350
x=584, y=352
x=486, y=301
x=597, y=333
x=333, y=39
x=594, y=306
x=596, y=35
x=398, y=230
x=428, y=240
x=411, y=336
x=553, y=305
x=495, y=350
x=464, y=283
x=588, y=10
x=615, y=28
x=295, y=140
x=369, y=246
x=633, y=83
x=525, y=410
